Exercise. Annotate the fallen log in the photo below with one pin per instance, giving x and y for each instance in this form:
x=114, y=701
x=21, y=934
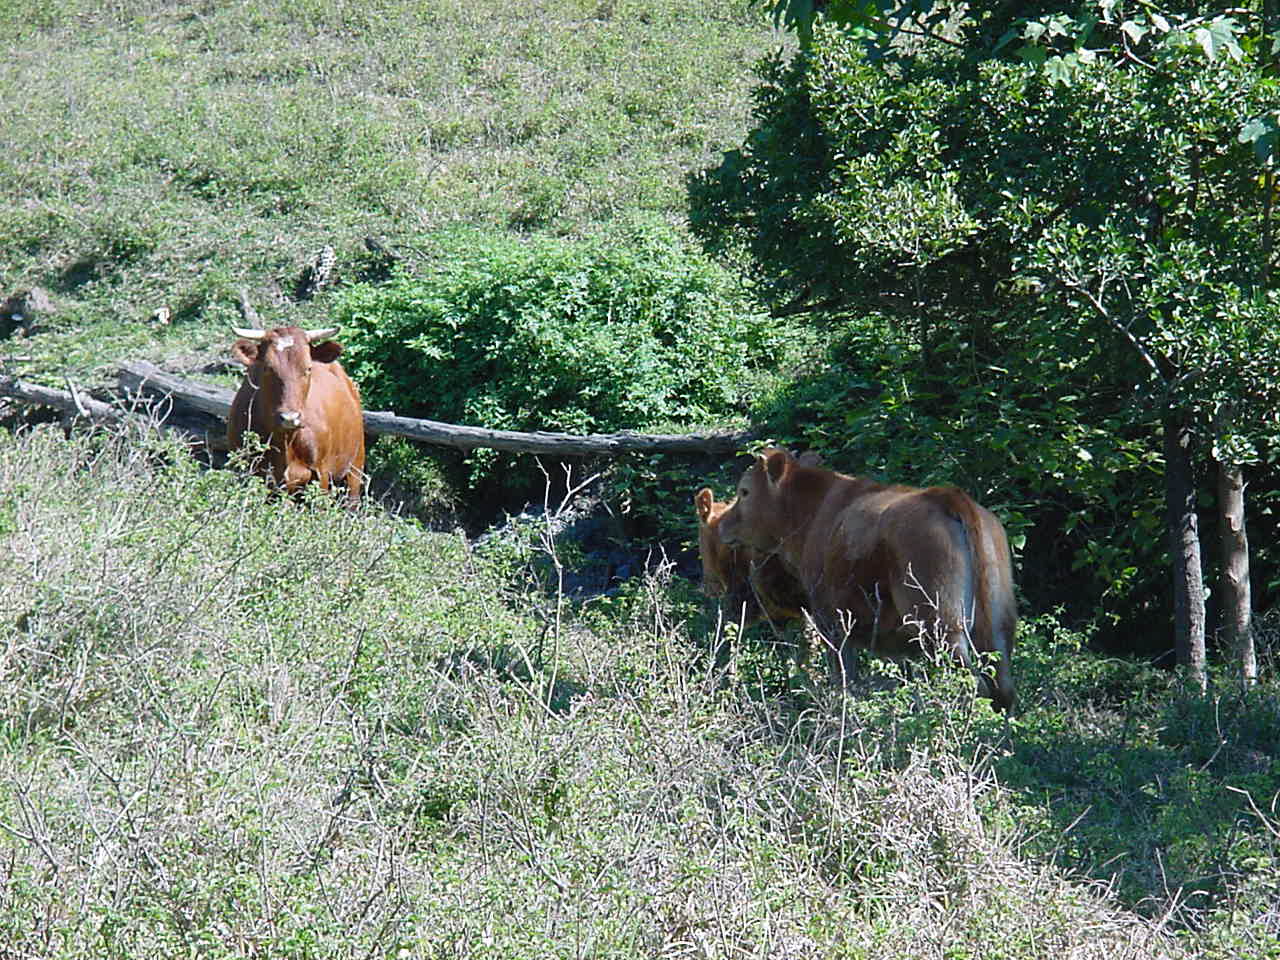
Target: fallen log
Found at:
x=71, y=401
x=137, y=376
x=76, y=404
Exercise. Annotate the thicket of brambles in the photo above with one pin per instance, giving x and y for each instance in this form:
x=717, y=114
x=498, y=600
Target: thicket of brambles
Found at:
x=235, y=726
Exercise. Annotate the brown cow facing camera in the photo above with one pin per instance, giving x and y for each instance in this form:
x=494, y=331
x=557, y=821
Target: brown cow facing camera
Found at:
x=298, y=399
x=754, y=586
x=882, y=564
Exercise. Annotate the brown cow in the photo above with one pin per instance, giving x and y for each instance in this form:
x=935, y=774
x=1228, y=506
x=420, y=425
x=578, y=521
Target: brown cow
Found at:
x=882, y=564
x=299, y=400
x=755, y=585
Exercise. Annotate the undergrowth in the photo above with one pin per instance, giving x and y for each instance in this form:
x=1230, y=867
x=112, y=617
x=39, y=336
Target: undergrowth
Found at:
x=240, y=726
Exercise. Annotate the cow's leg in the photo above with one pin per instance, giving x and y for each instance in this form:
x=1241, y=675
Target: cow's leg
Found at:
x=352, y=481
x=297, y=476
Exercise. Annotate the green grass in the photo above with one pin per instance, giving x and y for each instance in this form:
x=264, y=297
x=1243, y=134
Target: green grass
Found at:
x=167, y=155
x=236, y=726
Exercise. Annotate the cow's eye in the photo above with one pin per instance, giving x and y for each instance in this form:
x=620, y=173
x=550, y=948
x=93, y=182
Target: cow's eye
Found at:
x=742, y=494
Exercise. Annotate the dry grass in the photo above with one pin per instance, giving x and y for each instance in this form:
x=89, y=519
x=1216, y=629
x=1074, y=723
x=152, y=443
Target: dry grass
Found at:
x=238, y=727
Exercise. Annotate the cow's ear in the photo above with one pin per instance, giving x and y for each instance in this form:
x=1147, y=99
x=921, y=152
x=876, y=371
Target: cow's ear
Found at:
x=775, y=464
x=326, y=352
x=246, y=351
x=703, y=500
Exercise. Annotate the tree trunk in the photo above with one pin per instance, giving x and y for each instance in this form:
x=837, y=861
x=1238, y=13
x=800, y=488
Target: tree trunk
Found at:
x=1236, y=614
x=1184, y=546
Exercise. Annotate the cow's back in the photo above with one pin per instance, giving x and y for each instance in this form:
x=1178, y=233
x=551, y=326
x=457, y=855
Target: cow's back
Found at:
x=866, y=544
x=884, y=566
x=883, y=562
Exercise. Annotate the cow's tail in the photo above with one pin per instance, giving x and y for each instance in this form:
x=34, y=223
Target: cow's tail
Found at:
x=995, y=612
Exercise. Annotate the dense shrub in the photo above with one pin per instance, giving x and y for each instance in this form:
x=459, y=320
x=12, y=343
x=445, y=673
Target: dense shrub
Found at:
x=593, y=336
x=542, y=333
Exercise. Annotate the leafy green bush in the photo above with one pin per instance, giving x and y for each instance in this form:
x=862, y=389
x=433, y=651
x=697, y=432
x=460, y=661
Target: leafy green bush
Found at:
x=592, y=336
x=550, y=334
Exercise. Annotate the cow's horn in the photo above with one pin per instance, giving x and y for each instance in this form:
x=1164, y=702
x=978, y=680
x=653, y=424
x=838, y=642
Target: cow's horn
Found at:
x=249, y=333
x=327, y=333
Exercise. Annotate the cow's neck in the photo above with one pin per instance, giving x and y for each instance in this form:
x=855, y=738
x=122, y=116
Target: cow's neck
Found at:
x=808, y=495
x=796, y=522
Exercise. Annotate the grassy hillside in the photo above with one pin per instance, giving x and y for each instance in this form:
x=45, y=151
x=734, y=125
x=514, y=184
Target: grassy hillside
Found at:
x=235, y=727
x=242, y=728
x=164, y=155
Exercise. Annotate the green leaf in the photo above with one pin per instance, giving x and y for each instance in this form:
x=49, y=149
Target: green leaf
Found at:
x=1264, y=134
x=1061, y=70
x=1134, y=30
x=1206, y=41
x=1033, y=55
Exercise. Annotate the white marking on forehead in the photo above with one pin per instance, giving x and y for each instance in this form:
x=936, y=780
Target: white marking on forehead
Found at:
x=283, y=343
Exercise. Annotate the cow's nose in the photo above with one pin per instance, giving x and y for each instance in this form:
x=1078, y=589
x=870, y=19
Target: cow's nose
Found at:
x=290, y=419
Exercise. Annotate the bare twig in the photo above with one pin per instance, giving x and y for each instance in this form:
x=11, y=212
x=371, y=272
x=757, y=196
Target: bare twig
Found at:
x=1124, y=331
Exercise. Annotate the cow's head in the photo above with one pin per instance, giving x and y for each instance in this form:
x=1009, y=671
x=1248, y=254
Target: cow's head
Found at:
x=757, y=518
x=279, y=362
x=719, y=561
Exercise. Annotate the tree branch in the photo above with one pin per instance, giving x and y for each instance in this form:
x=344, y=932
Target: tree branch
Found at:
x=1124, y=331
x=137, y=376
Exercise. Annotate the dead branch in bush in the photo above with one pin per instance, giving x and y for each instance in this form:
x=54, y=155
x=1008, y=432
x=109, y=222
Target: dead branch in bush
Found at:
x=74, y=401
x=137, y=376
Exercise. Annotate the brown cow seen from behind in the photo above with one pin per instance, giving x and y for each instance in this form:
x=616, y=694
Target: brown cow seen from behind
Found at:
x=299, y=400
x=880, y=564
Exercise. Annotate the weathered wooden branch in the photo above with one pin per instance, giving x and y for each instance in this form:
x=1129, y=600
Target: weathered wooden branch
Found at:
x=139, y=376
x=76, y=403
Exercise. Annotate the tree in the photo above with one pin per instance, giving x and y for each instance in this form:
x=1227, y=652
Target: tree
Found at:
x=1068, y=188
